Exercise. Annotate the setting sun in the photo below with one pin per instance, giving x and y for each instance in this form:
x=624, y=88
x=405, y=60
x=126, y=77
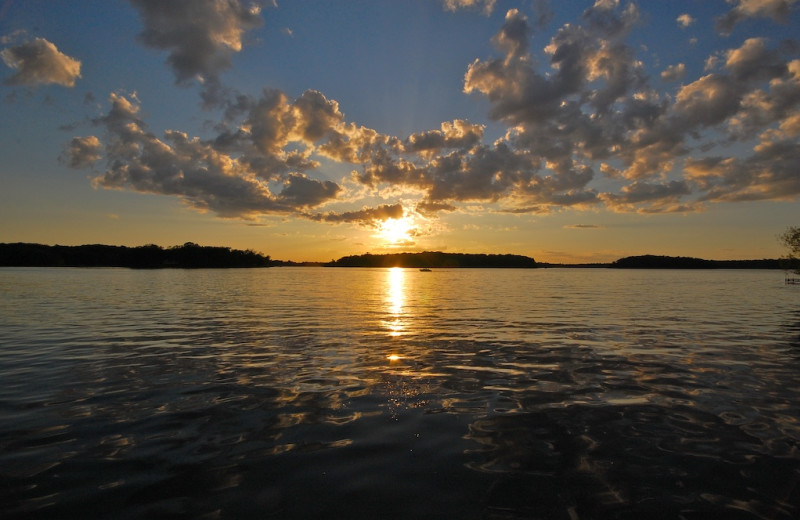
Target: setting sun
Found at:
x=396, y=230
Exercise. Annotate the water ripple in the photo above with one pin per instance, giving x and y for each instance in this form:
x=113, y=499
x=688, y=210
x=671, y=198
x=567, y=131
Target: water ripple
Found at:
x=301, y=393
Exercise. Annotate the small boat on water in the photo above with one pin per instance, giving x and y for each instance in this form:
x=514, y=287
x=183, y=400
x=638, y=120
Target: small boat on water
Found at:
x=425, y=270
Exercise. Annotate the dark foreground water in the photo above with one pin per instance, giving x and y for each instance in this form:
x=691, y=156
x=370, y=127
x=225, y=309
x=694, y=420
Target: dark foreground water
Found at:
x=358, y=393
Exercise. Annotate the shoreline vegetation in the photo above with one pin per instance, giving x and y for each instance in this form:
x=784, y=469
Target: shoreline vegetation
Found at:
x=193, y=256
x=430, y=259
x=189, y=255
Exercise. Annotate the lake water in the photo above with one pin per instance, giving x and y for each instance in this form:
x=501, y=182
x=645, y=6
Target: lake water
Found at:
x=390, y=393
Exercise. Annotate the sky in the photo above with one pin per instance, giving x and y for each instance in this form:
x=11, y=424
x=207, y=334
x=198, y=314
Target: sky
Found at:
x=311, y=129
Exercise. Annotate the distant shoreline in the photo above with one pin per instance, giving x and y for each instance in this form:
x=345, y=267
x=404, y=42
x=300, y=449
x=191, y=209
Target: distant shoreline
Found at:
x=191, y=255
x=187, y=256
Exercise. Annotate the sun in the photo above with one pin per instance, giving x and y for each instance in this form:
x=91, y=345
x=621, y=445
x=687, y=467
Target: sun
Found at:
x=396, y=230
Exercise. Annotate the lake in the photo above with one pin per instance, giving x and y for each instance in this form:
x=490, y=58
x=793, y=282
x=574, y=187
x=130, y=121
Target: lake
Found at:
x=390, y=393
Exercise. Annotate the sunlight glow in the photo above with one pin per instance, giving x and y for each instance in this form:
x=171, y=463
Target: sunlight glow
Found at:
x=396, y=230
x=393, y=357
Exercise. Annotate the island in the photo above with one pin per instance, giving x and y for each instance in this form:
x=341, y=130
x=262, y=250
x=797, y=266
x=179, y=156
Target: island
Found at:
x=431, y=259
x=683, y=262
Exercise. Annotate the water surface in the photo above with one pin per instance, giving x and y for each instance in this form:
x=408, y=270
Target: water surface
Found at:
x=391, y=393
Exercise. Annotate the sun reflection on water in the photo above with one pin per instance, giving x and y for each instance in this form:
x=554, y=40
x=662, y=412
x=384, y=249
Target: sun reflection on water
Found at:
x=395, y=300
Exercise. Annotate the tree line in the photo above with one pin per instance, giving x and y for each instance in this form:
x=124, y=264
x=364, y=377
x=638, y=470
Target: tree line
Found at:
x=684, y=262
x=438, y=259
x=189, y=255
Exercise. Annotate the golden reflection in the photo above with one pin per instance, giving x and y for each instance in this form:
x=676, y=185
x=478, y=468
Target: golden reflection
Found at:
x=396, y=294
x=395, y=300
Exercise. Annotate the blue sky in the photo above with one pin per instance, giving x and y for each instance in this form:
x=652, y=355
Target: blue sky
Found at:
x=568, y=131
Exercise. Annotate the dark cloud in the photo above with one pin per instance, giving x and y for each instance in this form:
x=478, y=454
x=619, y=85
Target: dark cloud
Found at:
x=367, y=216
x=649, y=197
x=708, y=101
x=431, y=208
x=777, y=10
x=199, y=35
x=302, y=191
x=754, y=60
x=39, y=62
x=82, y=152
x=771, y=173
x=458, y=134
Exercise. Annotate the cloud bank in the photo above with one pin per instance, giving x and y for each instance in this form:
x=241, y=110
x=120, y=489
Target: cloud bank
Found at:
x=585, y=127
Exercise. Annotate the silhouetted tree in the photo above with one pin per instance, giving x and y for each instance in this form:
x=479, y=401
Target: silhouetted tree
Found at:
x=791, y=239
x=663, y=262
x=151, y=256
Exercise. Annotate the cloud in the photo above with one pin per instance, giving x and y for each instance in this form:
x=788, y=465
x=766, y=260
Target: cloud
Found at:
x=192, y=169
x=274, y=120
x=302, y=191
x=646, y=197
x=241, y=174
x=586, y=116
x=82, y=152
x=455, y=5
x=39, y=62
x=431, y=208
x=707, y=101
x=6, y=39
x=367, y=217
x=685, y=20
x=760, y=108
x=458, y=134
x=199, y=35
x=595, y=104
x=583, y=226
x=674, y=72
x=777, y=10
x=769, y=174
x=754, y=61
